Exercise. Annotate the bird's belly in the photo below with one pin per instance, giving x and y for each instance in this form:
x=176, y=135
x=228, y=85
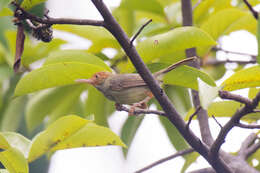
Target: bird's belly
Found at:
x=129, y=96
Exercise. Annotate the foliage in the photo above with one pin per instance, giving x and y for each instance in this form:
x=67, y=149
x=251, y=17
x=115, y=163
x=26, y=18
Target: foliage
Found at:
x=44, y=95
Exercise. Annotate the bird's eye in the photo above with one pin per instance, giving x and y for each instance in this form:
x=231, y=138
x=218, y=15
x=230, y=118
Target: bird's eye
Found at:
x=96, y=76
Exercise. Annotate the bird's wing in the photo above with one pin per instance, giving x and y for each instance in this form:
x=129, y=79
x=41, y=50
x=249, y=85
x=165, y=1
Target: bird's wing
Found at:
x=124, y=81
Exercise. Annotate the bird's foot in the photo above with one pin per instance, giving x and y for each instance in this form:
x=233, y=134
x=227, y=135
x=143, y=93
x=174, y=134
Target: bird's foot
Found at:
x=140, y=105
x=118, y=106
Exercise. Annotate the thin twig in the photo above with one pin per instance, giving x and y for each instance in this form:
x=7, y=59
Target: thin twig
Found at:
x=204, y=170
x=197, y=4
x=138, y=111
x=248, y=126
x=252, y=149
x=233, y=52
x=139, y=31
x=243, y=151
x=254, y=13
x=235, y=97
x=179, y=153
x=215, y=62
x=191, y=117
x=230, y=124
x=217, y=122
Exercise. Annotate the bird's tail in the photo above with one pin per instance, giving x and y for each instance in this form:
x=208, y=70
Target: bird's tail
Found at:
x=173, y=66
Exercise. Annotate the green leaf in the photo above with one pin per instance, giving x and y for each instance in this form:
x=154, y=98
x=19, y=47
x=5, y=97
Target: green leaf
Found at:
x=186, y=76
x=4, y=4
x=55, y=75
x=67, y=104
x=245, y=78
x=226, y=109
x=99, y=36
x=258, y=40
x=218, y=23
x=207, y=94
x=75, y=56
x=129, y=130
x=28, y=4
x=125, y=18
x=207, y=8
x=151, y=6
x=17, y=141
x=13, y=115
x=4, y=144
x=95, y=101
x=70, y=132
x=180, y=98
x=3, y=171
x=6, y=12
x=175, y=40
x=201, y=11
x=52, y=100
x=14, y=161
x=5, y=72
x=247, y=22
x=174, y=15
x=33, y=52
x=252, y=92
x=216, y=72
x=178, y=142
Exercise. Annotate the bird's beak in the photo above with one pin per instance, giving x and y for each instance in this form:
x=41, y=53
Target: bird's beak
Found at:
x=89, y=81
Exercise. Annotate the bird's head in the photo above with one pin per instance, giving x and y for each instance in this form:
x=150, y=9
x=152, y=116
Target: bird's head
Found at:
x=97, y=79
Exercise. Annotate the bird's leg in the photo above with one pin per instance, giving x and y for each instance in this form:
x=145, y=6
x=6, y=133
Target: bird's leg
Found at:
x=142, y=104
x=118, y=106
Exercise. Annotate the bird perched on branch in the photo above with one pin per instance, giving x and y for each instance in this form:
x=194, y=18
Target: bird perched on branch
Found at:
x=128, y=89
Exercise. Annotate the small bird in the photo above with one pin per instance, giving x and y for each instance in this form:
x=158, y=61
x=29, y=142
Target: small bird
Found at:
x=127, y=89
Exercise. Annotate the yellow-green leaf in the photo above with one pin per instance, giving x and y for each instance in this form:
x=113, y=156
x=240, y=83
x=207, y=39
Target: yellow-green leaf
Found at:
x=3, y=142
x=52, y=100
x=94, y=102
x=175, y=40
x=6, y=12
x=218, y=23
x=14, y=161
x=55, y=75
x=151, y=6
x=226, y=109
x=70, y=132
x=75, y=56
x=99, y=36
x=17, y=141
x=28, y=4
x=245, y=78
x=186, y=76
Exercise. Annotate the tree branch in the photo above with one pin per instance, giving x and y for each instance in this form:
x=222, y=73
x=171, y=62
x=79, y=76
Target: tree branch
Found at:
x=248, y=108
x=187, y=20
x=244, y=149
x=171, y=113
x=248, y=126
x=254, y=13
x=252, y=149
x=216, y=62
x=139, y=31
x=138, y=111
x=235, y=97
x=232, y=52
x=51, y=21
x=204, y=170
x=179, y=153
